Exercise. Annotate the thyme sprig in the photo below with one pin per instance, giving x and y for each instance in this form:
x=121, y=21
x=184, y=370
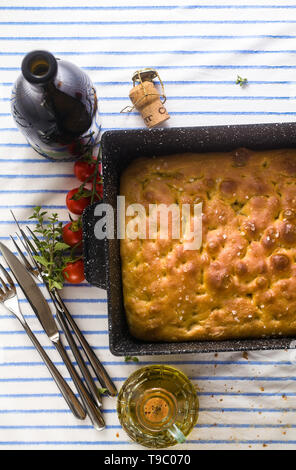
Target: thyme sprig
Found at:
x=241, y=81
x=54, y=254
x=131, y=359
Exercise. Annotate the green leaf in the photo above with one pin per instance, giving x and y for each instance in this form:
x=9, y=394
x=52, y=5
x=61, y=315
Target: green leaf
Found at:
x=60, y=246
x=53, y=253
x=241, y=81
x=57, y=285
x=131, y=358
x=41, y=260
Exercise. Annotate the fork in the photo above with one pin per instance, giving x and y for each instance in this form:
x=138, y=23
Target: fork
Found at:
x=8, y=298
x=61, y=312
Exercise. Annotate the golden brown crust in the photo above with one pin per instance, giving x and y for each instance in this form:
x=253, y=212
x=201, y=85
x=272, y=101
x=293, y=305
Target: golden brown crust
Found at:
x=241, y=283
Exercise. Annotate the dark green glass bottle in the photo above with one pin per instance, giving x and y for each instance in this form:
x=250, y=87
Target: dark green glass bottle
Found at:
x=54, y=104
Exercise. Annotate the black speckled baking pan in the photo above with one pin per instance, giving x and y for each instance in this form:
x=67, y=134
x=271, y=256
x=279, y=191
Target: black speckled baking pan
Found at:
x=102, y=258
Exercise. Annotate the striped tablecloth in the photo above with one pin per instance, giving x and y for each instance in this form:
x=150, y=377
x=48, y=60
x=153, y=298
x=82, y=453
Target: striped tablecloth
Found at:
x=199, y=48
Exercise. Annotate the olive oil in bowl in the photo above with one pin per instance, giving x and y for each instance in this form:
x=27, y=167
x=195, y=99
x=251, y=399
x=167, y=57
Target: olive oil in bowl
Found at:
x=158, y=406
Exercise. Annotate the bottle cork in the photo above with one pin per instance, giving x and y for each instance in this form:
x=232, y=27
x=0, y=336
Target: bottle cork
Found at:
x=146, y=100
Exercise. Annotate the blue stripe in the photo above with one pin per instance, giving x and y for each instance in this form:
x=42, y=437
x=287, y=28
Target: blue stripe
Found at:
x=182, y=97
x=73, y=301
x=200, y=394
x=148, y=22
x=241, y=378
x=36, y=176
x=203, y=363
x=128, y=443
x=175, y=363
x=200, y=378
x=140, y=38
x=26, y=160
x=28, y=206
x=14, y=144
x=34, y=411
x=27, y=222
x=250, y=442
x=33, y=191
x=47, y=427
x=62, y=443
x=201, y=97
x=200, y=426
x=188, y=82
x=151, y=52
x=81, y=317
x=47, y=348
x=174, y=67
x=6, y=412
x=246, y=426
x=41, y=332
x=247, y=410
x=32, y=379
x=111, y=411
x=30, y=395
x=34, y=364
x=149, y=7
x=246, y=394
x=215, y=113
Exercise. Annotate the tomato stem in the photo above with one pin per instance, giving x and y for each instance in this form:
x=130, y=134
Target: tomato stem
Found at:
x=95, y=175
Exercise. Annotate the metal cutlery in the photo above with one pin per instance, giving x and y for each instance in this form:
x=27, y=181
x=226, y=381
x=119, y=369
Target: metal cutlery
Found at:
x=43, y=313
x=8, y=297
x=64, y=326
x=62, y=311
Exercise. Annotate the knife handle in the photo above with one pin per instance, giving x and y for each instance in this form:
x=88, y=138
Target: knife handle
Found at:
x=98, y=368
x=79, y=359
x=92, y=410
x=64, y=388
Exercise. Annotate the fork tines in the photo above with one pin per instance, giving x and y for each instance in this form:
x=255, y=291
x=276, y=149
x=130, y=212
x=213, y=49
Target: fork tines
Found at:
x=8, y=280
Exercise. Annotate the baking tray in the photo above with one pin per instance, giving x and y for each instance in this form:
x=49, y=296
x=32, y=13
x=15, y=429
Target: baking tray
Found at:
x=102, y=257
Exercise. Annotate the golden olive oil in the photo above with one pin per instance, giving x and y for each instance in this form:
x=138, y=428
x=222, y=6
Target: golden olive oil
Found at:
x=158, y=406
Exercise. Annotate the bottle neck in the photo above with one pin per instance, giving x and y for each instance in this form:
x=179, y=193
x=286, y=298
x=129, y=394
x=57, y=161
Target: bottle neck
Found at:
x=39, y=68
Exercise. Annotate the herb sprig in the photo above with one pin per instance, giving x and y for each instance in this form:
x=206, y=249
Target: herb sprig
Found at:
x=131, y=359
x=241, y=81
x=54, y=254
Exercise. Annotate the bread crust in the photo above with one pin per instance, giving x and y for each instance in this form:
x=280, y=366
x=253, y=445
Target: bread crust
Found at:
x=242, y=282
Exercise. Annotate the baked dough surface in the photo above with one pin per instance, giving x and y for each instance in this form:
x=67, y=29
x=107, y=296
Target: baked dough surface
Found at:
x=242, y=282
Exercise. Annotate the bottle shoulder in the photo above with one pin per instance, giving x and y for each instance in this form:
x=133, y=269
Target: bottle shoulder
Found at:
x=69, y=97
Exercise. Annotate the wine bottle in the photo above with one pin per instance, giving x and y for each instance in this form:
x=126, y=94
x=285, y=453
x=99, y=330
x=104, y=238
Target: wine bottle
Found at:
x=54, y=104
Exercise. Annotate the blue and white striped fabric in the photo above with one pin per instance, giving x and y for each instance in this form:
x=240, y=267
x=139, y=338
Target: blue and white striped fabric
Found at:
x=199, y=48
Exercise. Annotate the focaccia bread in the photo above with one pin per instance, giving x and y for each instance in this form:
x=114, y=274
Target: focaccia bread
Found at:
x=241, y=282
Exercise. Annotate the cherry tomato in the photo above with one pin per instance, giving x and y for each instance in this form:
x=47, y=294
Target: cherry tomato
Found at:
x=76, y=206
x=74, y=272
x=72, y=235
x=84, y=170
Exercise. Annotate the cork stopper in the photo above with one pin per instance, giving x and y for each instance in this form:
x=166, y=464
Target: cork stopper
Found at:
x=146, y=100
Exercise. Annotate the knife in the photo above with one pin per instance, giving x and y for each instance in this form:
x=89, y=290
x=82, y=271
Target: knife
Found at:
x=44, y=315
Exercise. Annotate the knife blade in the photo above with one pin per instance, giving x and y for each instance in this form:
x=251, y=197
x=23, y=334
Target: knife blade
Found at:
x=43, y=313
x=32, y=293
